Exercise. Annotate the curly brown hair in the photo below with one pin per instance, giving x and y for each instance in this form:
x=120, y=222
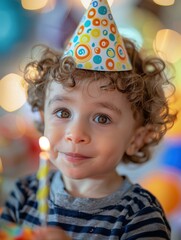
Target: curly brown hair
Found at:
x=144, y=86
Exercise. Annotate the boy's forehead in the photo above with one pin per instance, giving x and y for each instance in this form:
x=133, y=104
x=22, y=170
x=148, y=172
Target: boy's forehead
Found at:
x=86, y=91
x=80, y=84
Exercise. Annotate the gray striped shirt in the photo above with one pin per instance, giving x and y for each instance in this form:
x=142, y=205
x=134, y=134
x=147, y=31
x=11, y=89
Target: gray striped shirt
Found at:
x=130, y=213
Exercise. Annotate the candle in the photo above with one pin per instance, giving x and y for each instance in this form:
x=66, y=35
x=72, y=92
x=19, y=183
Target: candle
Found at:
x=42, y=175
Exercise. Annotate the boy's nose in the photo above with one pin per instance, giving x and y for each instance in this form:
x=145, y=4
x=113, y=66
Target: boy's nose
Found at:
x=77, y=139
x=77, y=134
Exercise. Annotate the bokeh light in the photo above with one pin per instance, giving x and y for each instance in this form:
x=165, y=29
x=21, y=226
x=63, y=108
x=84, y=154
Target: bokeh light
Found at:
x=15, y=130
x=147, y=24
x=177, y=79
x=166, y=187
x=175, y=105
x=167, y=45
x=172, y=154
x=34, y=4
x=12, y=93
x=164, y=2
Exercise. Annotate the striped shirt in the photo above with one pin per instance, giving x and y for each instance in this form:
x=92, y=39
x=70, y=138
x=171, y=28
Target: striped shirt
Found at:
x=130, y=213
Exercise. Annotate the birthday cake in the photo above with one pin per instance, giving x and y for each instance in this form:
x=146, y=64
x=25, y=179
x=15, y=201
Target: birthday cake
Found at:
x=14, y=232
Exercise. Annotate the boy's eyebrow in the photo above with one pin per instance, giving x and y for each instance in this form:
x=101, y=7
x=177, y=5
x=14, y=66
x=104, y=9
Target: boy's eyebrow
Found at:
x=109, y=106
x=98, y=104
x=57, y=98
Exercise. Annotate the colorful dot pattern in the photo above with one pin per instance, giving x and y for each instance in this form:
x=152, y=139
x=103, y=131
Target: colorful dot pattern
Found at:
x=96, y=43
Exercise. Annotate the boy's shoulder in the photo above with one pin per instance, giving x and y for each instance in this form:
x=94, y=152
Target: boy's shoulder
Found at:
x=139, y=206
x=140, y=200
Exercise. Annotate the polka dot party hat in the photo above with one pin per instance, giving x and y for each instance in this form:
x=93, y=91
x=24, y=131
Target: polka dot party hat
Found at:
x=96, y=43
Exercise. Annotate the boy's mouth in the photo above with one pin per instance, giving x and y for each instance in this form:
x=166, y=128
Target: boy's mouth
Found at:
x=70, y=156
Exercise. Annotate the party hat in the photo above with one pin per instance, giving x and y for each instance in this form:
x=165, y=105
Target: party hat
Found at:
x=97, y=43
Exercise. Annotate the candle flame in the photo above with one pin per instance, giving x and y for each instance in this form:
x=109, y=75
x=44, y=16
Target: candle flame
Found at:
x=44, y=143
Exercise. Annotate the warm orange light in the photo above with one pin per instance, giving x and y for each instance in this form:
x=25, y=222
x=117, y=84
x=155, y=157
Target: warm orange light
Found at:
x=164, y=2
x=12, y=92
x=44, y=143
x=167, y=45
x=34, y=4
x=175, y=131
x=166, y=187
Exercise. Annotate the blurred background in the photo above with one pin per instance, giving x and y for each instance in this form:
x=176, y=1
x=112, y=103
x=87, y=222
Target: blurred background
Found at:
x=152, y=24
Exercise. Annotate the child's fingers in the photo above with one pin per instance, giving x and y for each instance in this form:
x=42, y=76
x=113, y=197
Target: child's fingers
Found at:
x=50, y=233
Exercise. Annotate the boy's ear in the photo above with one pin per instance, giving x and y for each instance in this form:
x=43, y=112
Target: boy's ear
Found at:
x=143, y=135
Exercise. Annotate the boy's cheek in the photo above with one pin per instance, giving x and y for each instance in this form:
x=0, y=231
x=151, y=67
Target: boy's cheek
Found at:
x=53, y=156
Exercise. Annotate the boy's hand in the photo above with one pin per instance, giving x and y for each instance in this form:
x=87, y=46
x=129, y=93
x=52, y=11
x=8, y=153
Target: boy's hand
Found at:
x=49, y=233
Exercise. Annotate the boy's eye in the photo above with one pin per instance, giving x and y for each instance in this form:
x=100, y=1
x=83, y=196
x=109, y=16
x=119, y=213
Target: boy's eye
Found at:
x=63, y=113
x=102, y=119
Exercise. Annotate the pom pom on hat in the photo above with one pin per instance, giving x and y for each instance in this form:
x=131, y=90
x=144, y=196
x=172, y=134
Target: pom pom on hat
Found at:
x=97, y=44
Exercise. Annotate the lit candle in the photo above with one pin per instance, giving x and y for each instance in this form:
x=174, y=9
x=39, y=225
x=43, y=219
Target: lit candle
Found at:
x=42, y=175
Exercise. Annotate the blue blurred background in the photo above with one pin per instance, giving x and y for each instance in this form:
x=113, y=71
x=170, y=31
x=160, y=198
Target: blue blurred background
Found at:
x=25, y=23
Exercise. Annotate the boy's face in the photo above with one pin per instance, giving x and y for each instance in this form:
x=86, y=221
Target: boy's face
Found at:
x=89, y=129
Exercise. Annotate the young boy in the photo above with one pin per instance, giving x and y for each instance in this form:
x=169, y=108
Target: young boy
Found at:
x=95, y=116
